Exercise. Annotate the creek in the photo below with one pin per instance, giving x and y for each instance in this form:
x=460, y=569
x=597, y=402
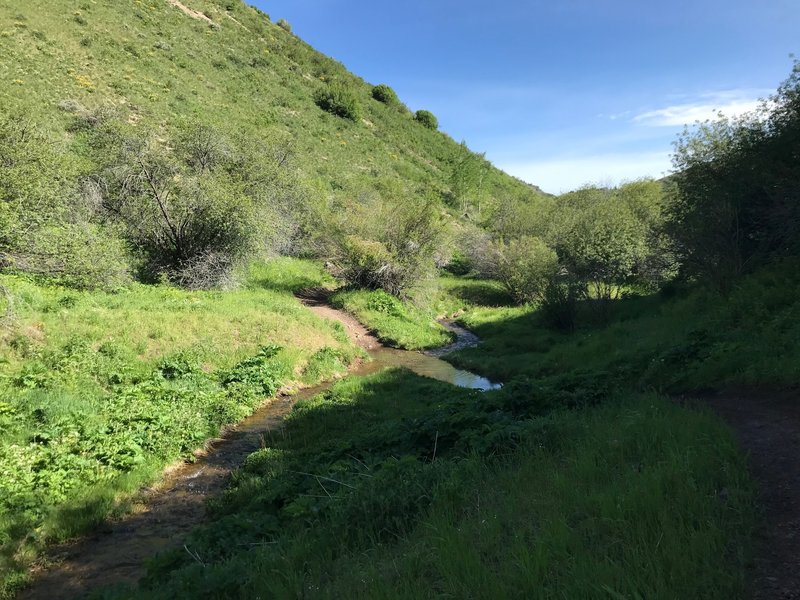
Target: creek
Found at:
x=166, y=513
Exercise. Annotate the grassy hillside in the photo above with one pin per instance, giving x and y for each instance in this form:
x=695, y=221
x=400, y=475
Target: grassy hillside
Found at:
x=227, y=65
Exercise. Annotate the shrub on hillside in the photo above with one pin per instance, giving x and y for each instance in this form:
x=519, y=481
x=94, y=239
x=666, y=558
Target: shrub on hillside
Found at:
x=186, y=216
x=45, y=229
x=78, y=255
x=339, y=100
x=427, y=118
x=479, y=254
x=284, y=24
x=383, y=93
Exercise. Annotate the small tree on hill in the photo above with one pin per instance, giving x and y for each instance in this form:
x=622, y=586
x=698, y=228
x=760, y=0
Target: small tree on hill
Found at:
x=427, y=118
x=383, y=93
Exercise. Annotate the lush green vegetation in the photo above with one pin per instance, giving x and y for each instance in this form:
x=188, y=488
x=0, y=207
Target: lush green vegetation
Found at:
x=396, y=323
x=399, y=486
x=141, y=143
x=735, y=199
x=180, y=145
x=426, y=118
x=384, y=93
x=99, y=391
x=680, y=340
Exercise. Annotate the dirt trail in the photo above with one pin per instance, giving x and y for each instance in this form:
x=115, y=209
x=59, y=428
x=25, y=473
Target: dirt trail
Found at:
x=166, y=513
x=316, y=299
x=768, y=430
x=195, y=14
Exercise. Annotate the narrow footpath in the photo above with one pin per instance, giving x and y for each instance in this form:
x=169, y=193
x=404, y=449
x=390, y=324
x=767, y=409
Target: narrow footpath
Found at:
x=767, y=428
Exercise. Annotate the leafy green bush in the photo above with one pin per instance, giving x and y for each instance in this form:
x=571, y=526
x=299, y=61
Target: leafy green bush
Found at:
x=736, y=188
x=340, y=100
x=183, y=211
x=45, y=229
x=383, y=93
x=527, y=267
x=82, y=256
x=427, y=118
x=388, y=247
x=284, y=24
x=559, y=305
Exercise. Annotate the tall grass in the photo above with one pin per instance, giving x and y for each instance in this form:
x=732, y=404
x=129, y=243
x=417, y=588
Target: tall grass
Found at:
x=634, y=498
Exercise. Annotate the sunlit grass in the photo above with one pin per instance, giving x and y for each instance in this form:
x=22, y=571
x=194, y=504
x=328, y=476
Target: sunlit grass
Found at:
x=396, y=323
x=99, y=391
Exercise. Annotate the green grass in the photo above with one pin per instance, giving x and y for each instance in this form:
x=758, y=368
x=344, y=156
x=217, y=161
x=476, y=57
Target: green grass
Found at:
x=455, y=295
x=99, y=391
x=578, y=512
x=396, y=323
x=395, y=486
x=690, y=340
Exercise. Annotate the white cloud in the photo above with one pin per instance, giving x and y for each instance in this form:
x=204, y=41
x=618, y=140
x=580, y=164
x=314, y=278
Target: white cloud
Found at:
x=732, y=103
x=561, y=175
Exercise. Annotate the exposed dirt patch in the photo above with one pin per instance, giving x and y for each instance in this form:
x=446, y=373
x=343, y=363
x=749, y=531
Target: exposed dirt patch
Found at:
x=195, y=14
x=316, y=299
x=768, y=430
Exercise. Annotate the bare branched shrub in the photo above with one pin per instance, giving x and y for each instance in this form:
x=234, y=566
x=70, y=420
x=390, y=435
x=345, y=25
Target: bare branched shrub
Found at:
x=207, y=271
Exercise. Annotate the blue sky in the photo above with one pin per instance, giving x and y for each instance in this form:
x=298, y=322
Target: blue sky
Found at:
x=561, y=92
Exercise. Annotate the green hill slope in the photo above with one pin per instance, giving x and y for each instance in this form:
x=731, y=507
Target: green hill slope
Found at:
x=225, y=63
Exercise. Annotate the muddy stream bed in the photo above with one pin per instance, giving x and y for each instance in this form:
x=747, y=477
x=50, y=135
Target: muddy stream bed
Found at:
x=165, y=513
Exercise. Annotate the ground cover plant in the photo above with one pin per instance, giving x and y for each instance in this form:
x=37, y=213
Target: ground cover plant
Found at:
x=396, y=323
x=400, y=486
x=101, y=390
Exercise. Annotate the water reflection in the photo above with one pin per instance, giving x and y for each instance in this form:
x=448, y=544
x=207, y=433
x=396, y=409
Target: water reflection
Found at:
x=427, y=366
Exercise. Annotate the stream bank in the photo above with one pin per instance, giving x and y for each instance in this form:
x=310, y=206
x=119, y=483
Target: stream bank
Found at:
x=165, y=513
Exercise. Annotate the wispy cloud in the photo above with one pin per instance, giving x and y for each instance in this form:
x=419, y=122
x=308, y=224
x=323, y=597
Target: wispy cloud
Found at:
x=731, y=103
x=558, y=175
